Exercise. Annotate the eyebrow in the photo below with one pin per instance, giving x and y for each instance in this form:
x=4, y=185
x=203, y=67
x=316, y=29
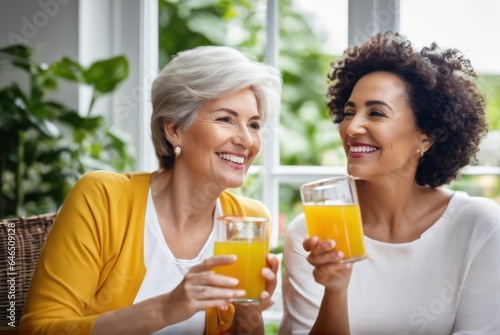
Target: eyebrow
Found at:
x=368, y=103
x=232, y=112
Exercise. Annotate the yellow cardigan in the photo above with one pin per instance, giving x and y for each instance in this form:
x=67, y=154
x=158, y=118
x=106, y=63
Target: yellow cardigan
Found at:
x=93, y=260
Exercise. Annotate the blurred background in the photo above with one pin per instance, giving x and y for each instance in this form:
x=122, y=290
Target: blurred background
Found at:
x=82, y=86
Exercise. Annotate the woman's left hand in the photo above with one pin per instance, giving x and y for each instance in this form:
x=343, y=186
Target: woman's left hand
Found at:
x=328, y=269
x=248, y=316
x=270, y=275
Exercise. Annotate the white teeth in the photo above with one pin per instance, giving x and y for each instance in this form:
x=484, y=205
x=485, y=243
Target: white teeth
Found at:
x=363, y=148
x=232, y=158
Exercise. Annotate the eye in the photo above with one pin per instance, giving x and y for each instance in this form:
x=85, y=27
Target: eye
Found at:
x=376, y=113
x=255, y=125
x=348, y=114
x=225, y=119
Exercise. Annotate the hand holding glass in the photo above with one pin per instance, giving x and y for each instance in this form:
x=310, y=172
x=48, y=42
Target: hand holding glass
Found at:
x=245, y=237
x=332, y=212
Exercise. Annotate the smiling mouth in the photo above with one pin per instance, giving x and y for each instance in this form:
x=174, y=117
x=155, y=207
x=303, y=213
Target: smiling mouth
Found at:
x=362, y=149
x=231, y=158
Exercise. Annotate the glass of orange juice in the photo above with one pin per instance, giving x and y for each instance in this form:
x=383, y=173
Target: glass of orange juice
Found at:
x=331, y=208
x=247, y=238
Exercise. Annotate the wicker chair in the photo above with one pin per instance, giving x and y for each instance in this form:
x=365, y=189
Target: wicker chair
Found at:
x=21, y=241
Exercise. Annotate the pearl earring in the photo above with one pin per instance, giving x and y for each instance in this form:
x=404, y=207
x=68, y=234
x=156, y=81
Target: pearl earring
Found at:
x=177, y=151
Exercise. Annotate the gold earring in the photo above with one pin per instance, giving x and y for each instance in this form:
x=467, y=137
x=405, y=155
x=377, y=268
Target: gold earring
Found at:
x=177, y=151
x=421, y=152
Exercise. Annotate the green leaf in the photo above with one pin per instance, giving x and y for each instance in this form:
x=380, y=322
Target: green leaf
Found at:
x=12, y=102
x=42, y=80
x=35, y=119
x=105, y=75
x=18, y=50
x=85, y=124
x=18, y=56
x=68, y=69
x=210, y=25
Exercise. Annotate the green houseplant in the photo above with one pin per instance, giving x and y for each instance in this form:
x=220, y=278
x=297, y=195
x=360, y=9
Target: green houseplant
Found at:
x=45, y=145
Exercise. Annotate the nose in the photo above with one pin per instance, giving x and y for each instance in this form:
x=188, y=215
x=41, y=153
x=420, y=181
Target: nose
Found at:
x=243, y=138
x=356, y=125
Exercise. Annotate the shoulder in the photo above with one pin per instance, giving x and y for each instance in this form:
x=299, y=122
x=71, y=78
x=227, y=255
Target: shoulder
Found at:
x=109, y=177
x=111, y=180
x=101, y=188
x=237, y=204
x=474, y=218
x=473, y=208
x=108, y=202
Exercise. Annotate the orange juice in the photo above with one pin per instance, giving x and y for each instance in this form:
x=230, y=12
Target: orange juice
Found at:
x=341, y=223
x=251, y=259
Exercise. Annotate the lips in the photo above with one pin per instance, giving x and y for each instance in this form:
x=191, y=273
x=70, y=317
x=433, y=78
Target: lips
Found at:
x=231, y=158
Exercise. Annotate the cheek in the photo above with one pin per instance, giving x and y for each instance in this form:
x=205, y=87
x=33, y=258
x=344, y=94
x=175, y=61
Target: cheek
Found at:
x=342, y=132
x=257, y=143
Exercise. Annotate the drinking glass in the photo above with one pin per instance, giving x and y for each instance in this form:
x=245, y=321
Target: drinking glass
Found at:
x=331, y=208
x=247, y=238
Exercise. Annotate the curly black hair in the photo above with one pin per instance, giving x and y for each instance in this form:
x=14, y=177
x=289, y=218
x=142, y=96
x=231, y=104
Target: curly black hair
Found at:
x=442, y=95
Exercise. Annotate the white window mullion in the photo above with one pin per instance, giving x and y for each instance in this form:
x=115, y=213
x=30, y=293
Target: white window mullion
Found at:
x=149, y=54
x=270, y=151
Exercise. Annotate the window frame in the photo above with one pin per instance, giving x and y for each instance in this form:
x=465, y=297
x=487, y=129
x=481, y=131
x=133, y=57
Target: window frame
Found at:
x=364, y=19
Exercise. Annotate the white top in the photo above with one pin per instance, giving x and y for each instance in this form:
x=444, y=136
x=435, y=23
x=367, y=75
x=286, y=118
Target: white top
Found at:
x=445, y=282
x=164, y=272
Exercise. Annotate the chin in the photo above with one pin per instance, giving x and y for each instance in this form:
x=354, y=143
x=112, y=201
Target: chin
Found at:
x=355, y=171
x=233, y=182
x=236, y=185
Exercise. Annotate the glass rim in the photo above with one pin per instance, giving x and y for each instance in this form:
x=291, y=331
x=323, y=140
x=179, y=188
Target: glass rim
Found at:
x=231, y=218
x=327, y=180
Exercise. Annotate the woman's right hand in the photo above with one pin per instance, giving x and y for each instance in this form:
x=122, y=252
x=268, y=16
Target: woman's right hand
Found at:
x=328, y=271
x=200, y=289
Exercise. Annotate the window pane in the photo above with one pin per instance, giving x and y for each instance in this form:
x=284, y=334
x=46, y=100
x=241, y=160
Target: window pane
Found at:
x=471, y=27
x=328, y=19
x=312, y=33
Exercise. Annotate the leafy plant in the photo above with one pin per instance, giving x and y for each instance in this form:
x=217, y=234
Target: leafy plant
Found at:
x=47, y=146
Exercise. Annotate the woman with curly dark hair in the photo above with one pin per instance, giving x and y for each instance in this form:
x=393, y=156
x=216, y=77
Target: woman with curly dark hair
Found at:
x=409, y=121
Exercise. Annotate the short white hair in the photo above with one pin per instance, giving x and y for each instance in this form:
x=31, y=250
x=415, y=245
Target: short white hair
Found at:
x=205, y=73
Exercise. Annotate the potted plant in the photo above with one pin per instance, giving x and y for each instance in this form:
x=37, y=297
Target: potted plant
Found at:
x=45, y=145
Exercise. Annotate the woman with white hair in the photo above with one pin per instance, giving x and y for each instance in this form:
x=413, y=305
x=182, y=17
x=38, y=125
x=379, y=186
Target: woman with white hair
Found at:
x=133, y=253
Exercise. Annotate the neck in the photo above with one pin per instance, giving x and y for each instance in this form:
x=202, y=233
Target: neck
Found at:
x=182, y=202
x=185, y=210
x=390, y=210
